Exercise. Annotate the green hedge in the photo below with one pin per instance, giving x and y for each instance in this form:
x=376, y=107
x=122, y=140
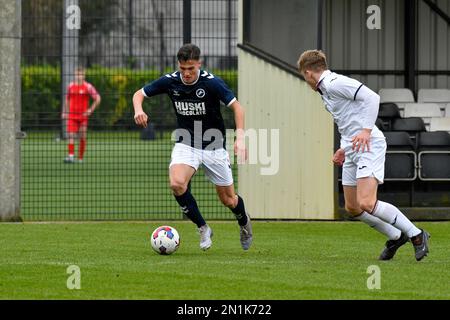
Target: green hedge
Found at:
x=41, y=97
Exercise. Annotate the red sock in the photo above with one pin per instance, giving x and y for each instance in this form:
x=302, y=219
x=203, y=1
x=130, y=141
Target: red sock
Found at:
x=81, y=148
x=71, y=149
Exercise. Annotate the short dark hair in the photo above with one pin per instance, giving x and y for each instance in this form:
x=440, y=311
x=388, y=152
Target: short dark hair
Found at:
x=188, y=51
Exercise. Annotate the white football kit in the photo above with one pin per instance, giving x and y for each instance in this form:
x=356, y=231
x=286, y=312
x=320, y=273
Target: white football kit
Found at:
x=354, y=107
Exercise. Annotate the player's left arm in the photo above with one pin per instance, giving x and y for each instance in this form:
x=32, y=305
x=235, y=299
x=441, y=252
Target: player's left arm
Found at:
x=96, y=99
x=239, y=119
x=228, y=98
x=369, y=114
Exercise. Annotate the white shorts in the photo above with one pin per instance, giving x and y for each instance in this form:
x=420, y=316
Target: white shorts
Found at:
x=216, y=163
x=365, y=164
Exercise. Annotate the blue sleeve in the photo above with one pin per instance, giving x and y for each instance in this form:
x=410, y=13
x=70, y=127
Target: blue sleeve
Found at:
x=224, y=93
x=156, y=87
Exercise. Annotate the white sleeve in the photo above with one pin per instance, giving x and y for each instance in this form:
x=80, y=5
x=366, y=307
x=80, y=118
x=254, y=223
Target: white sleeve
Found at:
x=344, y=87
x=352, y=89
x=370, y=106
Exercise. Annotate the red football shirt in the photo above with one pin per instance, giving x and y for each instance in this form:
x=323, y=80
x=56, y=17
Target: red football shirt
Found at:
x=78, y=95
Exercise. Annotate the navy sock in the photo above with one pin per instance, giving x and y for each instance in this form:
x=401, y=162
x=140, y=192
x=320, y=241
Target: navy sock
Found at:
x=239, y=212
x=190, y=209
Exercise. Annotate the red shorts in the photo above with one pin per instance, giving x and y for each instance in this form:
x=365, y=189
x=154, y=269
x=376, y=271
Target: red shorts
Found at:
x=74, y=125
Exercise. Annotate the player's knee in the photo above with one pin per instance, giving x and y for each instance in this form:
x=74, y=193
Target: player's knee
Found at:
x=228, y=201
x=367, y=205
x=178, y=188
x=352, y=209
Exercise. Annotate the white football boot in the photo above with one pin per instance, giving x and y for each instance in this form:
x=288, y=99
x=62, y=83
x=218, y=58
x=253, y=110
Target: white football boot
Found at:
x=205, y=237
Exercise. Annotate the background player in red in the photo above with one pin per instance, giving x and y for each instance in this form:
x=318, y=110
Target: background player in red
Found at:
x=77, y=112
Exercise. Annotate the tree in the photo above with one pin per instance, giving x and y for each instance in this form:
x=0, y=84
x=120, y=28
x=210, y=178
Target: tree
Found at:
x=41, y=30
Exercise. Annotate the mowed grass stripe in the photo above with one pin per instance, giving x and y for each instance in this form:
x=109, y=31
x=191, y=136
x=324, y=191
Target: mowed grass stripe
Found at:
x=314, y=260
x=122, y=177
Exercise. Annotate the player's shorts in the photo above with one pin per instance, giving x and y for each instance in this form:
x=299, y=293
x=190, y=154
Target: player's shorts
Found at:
x=365, y=164
x=216, y=163
x=74, y=125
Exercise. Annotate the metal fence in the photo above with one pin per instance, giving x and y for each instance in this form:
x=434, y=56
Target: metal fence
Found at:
x=123, y=44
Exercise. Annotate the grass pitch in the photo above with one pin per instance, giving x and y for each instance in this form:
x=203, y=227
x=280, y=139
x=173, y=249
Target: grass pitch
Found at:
x=288, y=261
x=122, y=178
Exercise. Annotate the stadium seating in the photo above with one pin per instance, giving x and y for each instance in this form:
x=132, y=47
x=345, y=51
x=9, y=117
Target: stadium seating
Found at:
x=401, y=159
x=400, y=96
x=434, y=156
x=440, y=124
x=387, y=112
x=383, y=126
x=411, y=125
x=417, y=134
x=439, y=96
x=426, y=111
x=396, y=95
x=417, y=164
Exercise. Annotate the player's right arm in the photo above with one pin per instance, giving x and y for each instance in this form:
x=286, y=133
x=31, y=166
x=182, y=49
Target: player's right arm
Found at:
x=65, y=111
x=140, y=117
x=339, y=157
x=156, y=87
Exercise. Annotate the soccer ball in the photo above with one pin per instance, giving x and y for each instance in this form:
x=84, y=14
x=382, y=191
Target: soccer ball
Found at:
x=165, y=240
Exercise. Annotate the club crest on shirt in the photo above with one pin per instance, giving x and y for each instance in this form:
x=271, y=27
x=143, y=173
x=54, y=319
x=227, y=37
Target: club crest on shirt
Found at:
x=200, y=93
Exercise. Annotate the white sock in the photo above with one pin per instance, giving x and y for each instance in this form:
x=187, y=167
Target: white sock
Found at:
x=387, y=212
x=385, y=228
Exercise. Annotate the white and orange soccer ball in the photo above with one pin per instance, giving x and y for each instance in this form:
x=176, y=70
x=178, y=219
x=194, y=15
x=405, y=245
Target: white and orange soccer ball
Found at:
x=165, y=240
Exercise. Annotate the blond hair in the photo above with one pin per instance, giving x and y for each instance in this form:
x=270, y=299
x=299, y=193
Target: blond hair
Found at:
x=314, y=60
